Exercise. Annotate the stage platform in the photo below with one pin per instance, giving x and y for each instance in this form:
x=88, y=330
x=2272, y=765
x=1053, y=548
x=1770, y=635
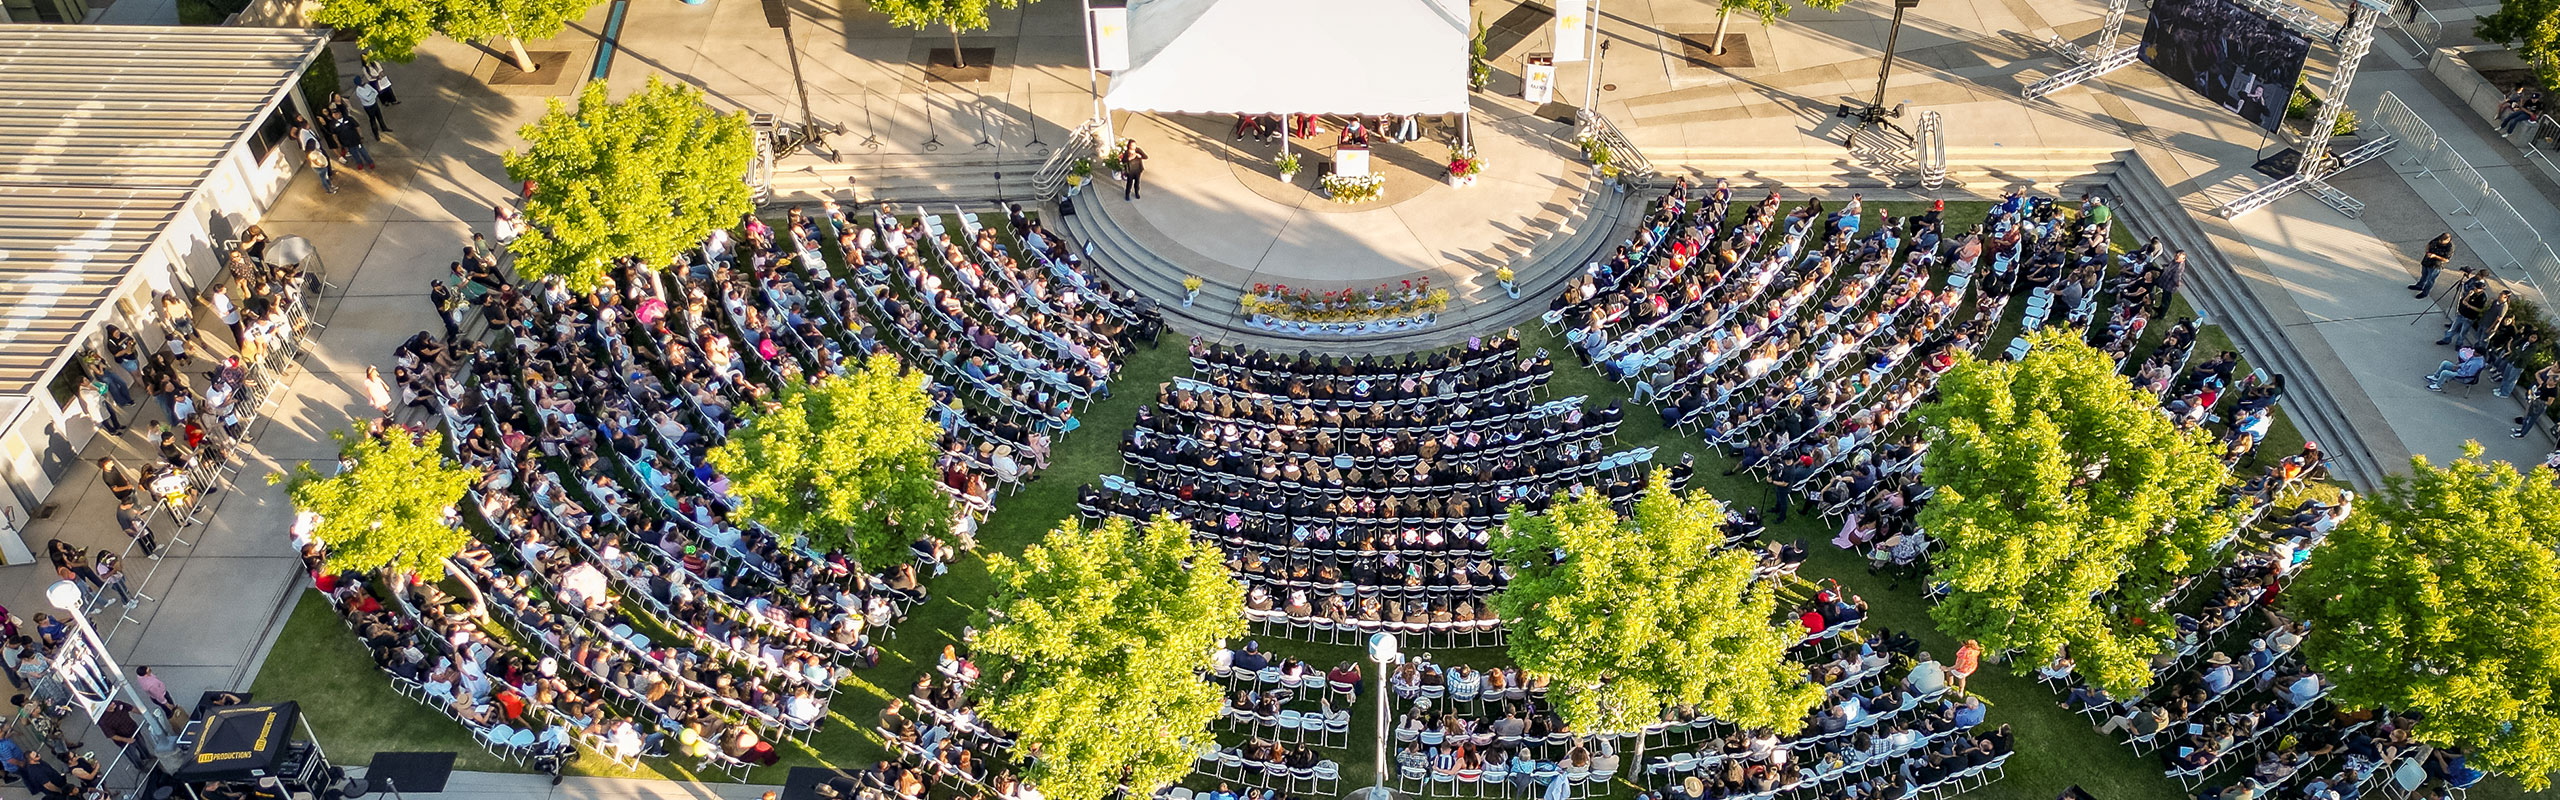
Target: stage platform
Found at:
x=1214, y=206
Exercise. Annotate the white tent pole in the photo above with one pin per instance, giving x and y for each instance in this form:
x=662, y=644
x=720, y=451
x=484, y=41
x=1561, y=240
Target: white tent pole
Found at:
x=1591, y=56
x=1093, y=81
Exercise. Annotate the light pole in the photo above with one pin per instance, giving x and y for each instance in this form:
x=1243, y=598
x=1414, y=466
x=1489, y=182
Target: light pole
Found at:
x=157, y=741
x=1382, y=649
x=1874, y=114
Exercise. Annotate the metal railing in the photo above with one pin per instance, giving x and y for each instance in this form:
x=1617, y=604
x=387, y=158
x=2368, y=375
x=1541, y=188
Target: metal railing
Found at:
x=760, y=172
x=1930, y=149
x=1630, y=161
x=2424, y=30
x=1051, y=179
x=2511, y=241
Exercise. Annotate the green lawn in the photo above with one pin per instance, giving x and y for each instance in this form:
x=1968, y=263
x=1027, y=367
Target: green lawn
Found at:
x=352, y=706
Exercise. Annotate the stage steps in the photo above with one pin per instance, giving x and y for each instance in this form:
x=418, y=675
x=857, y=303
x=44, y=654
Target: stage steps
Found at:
x=1603, y=218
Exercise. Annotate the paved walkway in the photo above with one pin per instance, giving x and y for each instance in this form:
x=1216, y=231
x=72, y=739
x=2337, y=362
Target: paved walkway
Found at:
x=2330, y=281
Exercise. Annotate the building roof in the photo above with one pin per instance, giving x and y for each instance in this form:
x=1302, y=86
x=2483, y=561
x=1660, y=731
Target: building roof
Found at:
x=106, y=132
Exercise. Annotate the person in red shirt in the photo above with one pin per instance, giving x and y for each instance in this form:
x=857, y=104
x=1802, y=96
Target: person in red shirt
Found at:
x=1968, y=659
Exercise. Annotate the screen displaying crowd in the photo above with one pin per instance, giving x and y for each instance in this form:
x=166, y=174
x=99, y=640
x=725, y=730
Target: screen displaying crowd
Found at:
x=2240, y=59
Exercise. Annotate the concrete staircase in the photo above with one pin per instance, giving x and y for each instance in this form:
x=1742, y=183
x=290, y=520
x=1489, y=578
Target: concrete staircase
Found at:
x=959, y=173
x=1601, y=219
x=2226, y=299
x=1983, y=170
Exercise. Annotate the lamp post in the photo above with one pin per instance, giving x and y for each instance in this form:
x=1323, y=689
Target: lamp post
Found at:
x=1874, y=114
x=1382, y=649
x=157, y=741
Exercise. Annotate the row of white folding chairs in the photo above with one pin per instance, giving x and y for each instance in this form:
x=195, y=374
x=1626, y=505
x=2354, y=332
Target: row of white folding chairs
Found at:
x=1325, y=778
x=1315, y=728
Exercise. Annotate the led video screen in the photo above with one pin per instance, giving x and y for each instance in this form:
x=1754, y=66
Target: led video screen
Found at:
x=2239, y=59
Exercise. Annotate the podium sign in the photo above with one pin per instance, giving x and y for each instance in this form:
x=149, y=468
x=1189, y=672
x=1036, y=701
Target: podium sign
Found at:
x=1351, y=162
x=1538, y=80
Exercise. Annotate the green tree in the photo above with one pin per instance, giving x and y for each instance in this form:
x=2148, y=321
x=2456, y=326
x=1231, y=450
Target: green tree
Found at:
x=2532, y=27
x=1769, y=11
x=2060, y=488
x=387, y=30
x=387, y=507
x=646, y=177
x=847, y=463
x=1095, y=639
x=960, y=16
x=391, y=29
x=1626, y=617
x=2428, y=599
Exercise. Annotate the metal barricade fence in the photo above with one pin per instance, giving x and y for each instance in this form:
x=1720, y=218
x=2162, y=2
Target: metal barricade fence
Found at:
x=2504, y=236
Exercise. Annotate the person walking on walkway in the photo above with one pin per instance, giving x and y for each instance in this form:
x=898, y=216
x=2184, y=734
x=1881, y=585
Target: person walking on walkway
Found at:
x=370, y=100
x=2432, y=264
x=1133, y=165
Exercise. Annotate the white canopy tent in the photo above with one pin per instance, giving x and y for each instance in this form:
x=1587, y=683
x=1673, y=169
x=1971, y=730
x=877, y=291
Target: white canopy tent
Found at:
x=1294, y=57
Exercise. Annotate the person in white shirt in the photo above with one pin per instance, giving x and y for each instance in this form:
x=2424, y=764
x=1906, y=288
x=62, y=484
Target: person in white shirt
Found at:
x=370, y=100
x=228, y=311
x=380, y=80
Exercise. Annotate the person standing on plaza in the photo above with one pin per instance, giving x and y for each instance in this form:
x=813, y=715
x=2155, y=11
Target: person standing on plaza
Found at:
x=380, y=80
x=2432, y=264
x=319, y=161
x=376, y=392
x=2538, y=399
x=43, y=780
x=120, y=481
x=228, y=311
x=350, y=139
x=370, y=100
x=155, y=691
x=448, y=305
x=136, y=526
x=2507, y=354
x=71, y=563
x=1133, y=165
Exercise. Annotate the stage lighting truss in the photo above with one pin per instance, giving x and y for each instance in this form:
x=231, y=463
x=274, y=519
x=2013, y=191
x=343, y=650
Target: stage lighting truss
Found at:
x=2354, y=42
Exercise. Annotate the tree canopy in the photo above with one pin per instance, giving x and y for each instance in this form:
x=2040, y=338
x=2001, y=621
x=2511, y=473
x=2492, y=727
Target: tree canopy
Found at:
x=647, y=176
x=2532, y=27
x=847, y=463
x=388, y=506
x=1627, y=617
x=2059, y=487
x=961, y=16
x=390, y=30
x=2438, y=596
x=1093, y=641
